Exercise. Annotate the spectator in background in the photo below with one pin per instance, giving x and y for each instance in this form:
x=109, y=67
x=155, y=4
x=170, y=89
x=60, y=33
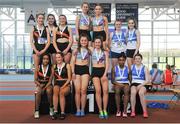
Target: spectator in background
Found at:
x=174, y=73
x=167, y=76
x=155, y=74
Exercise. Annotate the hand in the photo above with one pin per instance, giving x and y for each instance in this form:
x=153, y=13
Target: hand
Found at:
x=58, y=51
x=37, y=83
x=65, y=51
x=73, y=76
x=37, y=53
x=41, y=52
x=104, y=77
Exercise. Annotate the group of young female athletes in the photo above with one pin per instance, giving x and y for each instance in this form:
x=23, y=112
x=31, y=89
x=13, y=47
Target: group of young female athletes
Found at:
x=52, y=43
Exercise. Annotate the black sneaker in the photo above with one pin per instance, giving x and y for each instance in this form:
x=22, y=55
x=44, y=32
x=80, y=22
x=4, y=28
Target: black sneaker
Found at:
x=62, y=116
x=55, y=116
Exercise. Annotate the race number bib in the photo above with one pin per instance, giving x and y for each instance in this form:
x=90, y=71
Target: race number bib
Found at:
x=42, y=40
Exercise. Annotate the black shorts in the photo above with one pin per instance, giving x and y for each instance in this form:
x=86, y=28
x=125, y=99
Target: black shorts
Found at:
x=51, y=49
x=40, y=47
x=98, y=72
x=116, y=55
x=135, y=84
x=81, y=69
x=63, y=46
x=130, y=53
x=60, y=83
x=99, y=33
x=85, y=32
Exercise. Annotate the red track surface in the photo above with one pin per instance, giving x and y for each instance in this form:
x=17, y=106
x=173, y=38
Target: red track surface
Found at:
x=22, y=111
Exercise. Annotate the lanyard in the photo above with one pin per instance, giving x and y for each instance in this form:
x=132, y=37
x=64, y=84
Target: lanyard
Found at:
x=40, y=31
x=86, y=18
x=131, y=34
x=119, y=36
x=83, y=53
x=138, y=72
x=121, y=74
x=98, y=54
x=60, y=68
x=50, y=30
x=98, y=20
x=44, y=71
x=61, y=31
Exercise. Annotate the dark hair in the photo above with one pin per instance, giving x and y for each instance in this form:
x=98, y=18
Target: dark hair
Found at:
x=65, y=18
x=172, y=66
x=98, y=4
x=135, y=22
x=154, y=65
x=79, y=43
x=118, y=20
x=101, y=39
x=168, y=67
x=138, y=54
x=55, y=24
x=122, y=55
x=85, y=3
x=41, y=59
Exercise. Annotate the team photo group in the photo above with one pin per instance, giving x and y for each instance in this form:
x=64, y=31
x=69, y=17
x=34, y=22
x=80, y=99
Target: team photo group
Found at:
x=60, y=62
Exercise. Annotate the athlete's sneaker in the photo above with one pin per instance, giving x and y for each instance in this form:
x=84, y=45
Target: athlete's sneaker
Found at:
x=124, y=115
x=82, y=113
x=145, y=115
x=36, y=114
x=105, y=114
x=101, y=115
x=133, y=114
x=51, y=111
x=62, y=116
x=55, y=116
x=118, y=114
x=78, y=113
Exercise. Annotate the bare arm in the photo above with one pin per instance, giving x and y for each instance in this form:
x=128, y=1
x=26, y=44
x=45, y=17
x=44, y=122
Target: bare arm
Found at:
x=110, y=40
x=31, y=41
x=106, y=29
x=77, y=25
x=70, y=38
x=107, y=63
x=54, y=39
x=138, y=43
x=69, y=76
x=112, y=75
x=36, y=77
x=146, y=76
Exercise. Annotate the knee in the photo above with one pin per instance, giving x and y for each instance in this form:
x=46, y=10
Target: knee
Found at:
x=141, y=94
x=133, y=92
x=83, y=91
x=77, y=91
x=49, y=91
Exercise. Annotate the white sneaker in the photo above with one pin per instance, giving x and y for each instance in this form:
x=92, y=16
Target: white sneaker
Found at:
x=36, y=114
x=51, y=111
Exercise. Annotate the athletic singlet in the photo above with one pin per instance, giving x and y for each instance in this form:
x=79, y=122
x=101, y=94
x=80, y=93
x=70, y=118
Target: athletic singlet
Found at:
x=118, y=44
x=39, y=36
x=98, y=57
x=60, y=73
x=121, y=75
x=131, y=39
x=168, y=77
x=98, y=22
x=83, y=54
x=138, y=75
x=84, y=20
x=44, y=74
x=64, y=33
